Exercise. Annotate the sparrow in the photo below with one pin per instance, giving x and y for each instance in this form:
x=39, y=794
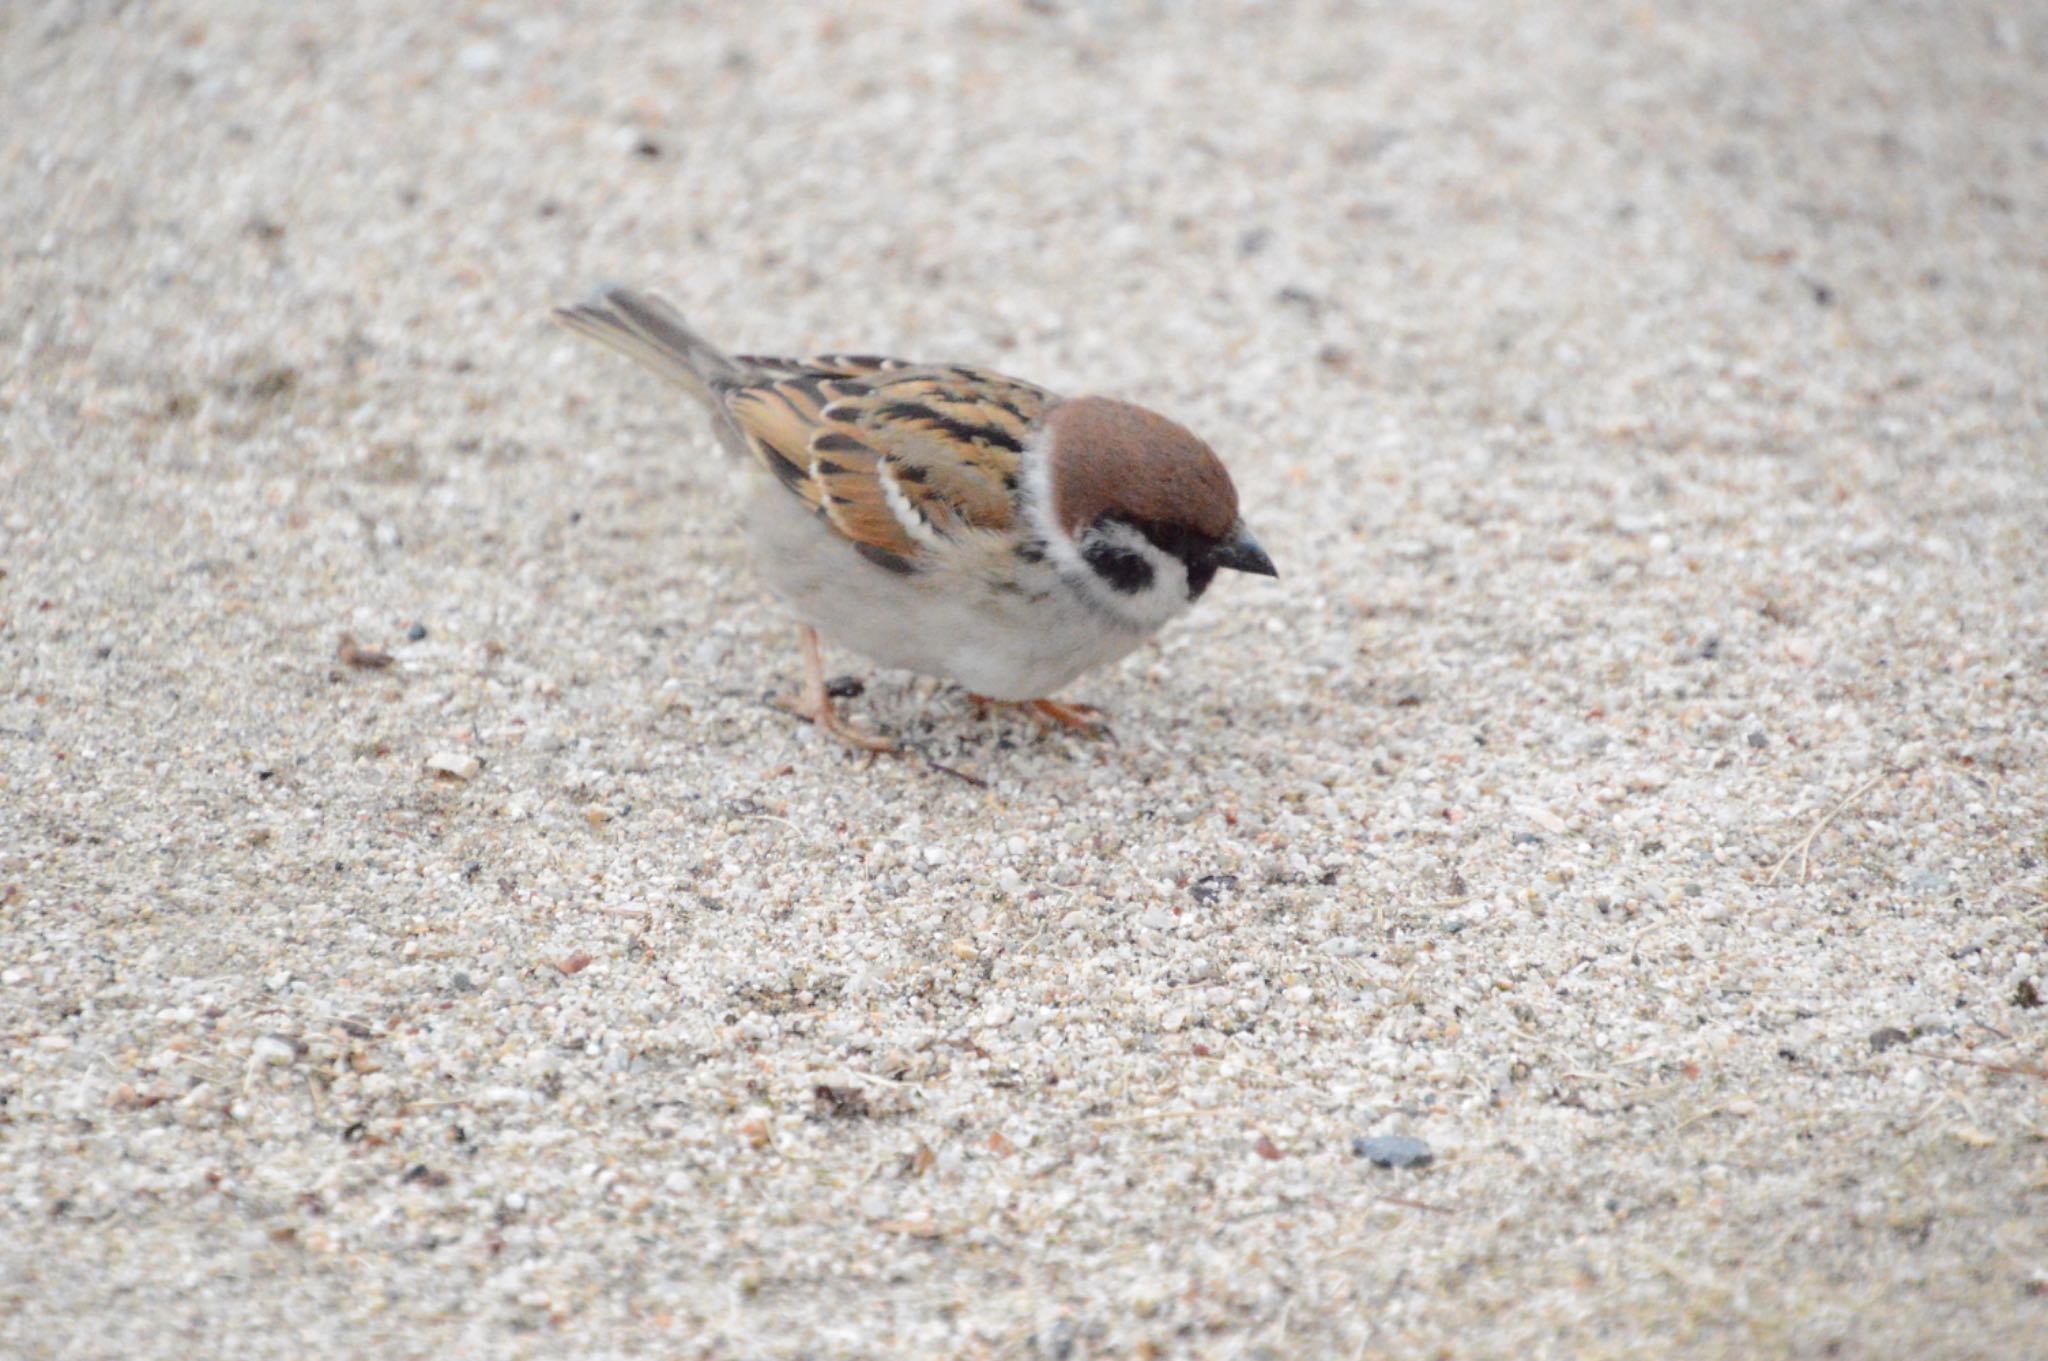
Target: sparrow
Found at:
x=948, y=520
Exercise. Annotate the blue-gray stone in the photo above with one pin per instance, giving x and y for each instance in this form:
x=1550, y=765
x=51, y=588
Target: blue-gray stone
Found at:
x=1394, y=1150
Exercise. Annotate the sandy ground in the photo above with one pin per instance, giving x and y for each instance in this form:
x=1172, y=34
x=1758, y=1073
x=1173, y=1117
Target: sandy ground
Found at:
x=1634, y=788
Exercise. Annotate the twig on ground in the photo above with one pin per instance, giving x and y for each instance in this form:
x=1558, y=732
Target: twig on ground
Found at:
x=1804, y=850
x=961, y=775
x=2009, y=1069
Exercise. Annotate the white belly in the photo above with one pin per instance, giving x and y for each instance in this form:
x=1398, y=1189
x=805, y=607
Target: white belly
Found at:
x=957, y=623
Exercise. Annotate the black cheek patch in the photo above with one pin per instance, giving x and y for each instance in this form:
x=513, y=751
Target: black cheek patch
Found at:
x=1122, y=569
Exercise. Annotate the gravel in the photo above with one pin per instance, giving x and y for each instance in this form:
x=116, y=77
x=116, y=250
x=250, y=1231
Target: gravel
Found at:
x=423, y=937
x=1393, y=1150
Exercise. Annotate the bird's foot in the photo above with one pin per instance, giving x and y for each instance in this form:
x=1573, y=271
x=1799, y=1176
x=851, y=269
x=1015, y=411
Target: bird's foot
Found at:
x=815, y=702
x=1085, y=719
x=822, y=714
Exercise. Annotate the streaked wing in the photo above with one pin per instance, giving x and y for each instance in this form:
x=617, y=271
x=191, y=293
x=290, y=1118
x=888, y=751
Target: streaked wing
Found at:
x=899, y=459
x=824, y=365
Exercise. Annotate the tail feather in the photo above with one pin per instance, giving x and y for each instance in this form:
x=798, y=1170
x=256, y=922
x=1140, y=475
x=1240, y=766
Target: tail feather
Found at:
x=649, y=331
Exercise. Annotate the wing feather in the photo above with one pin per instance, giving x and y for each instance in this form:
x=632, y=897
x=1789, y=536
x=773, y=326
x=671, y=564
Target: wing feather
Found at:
x=899, y=459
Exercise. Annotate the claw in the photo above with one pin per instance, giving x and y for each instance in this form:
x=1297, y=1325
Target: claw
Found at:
x=1085, y=719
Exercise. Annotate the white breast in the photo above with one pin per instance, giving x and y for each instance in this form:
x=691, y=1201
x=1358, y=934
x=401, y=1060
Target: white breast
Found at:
x=1001, y=628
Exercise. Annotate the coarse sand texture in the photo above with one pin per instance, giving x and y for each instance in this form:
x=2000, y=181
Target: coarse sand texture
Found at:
x=1592, y=905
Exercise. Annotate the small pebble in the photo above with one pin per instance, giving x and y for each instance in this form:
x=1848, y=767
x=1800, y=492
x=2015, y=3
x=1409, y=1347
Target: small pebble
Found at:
x=455, y=765
x=1057, y=1341
x=481, y=58
x=1930, y=883
x=1393, y=1150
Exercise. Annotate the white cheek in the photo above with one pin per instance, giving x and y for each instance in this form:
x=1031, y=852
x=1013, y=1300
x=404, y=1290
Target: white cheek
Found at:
x=1164, y=597
x=1141, y=611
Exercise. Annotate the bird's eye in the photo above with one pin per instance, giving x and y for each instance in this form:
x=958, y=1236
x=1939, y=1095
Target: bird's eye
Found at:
x=1179, y=541
x=1195, y=550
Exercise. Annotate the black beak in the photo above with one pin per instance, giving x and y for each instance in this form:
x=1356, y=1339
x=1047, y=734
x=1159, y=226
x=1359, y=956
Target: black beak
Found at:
x=1241, y=553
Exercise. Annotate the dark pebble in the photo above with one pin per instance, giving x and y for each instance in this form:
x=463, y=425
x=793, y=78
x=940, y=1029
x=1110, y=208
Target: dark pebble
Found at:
x=416, y=633
x=1210, y=887
x=1057, y=1342
x=1881, y=1040
x=846, y=687
x=1394, y=1150
x=1758, y=740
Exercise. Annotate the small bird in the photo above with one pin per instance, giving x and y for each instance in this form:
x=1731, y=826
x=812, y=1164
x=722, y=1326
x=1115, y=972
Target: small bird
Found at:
x=948, y=520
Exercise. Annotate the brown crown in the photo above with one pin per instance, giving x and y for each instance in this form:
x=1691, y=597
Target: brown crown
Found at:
x=1109, y=457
